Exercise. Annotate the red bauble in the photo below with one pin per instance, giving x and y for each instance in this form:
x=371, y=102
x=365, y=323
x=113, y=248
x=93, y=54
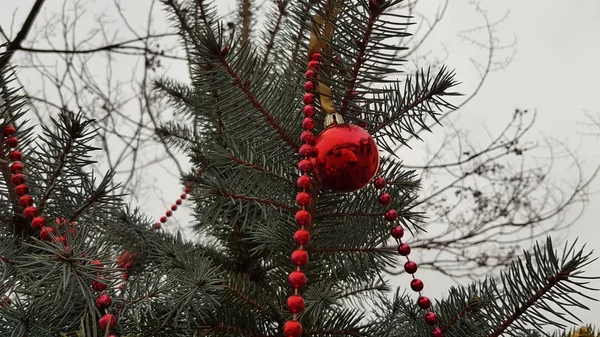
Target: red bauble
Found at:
x=385, y=199
x=38, y=222
x=107, y=321
x=424, y=302
x=303, y=199
x=22, y=189
x=307, y=137
x=98, y=285
x=14, y=155
x=397, y=232
x=16, y=168
x=437, y=332
x=17, y=179
x=303, y=218
x=305, y=166
x=302, y=237
x=103, y=301
x=295, y=303
x=416, y=284
x=297, y=279
x=404, y=249
x=391, y=215
x=30, y=212
x=12, y=142
x=309, y=110
x=379, y=183
x=45, y=233
x=8, y=130
x=25, y=201
x=304, y=182
x=292, y=329
x=347, y=158
x=431, y=318
x=299, y=257
x=410, y=267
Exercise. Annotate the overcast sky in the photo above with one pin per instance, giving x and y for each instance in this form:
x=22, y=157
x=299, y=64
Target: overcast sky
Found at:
x=553, y=69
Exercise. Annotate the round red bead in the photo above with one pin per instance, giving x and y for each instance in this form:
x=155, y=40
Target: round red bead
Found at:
x=308, y=123
x=304, y=182
x=317, y=57
x=178, y=201
x=156, y=225
x=297, y=279
x=410, y=267
x=22, y=189
x=404, y=249
x=305, y=166
x=391, y=215
x=303, y=218
x=380, y=183
x=169, y=213
x=303, y=199
x=99, y=285
x=314, y=65
x=431, y=318
x=307, y=137
x=302, y=237
x=103, y=301
x=397, y=232
x=38, y=222
x=437, y=332
x=17, y=179
x=163, y=219
x=8, y=130
x=12, y=142
x=125, y=276
x=306, y=150
x=424, y=302
x=292, y=329
x=107, y=321
x=295, y=303
x=15, y=155
x=385, y=199
x=309, y=86
x=310, y=74
x=25, y=200
x=187, y=190
x=30, y=212
x=416, y=284
x=183, y=196
x=16, y=168
x=45, y=233
x=309, y=111
x=173, y=207
x=299, y=257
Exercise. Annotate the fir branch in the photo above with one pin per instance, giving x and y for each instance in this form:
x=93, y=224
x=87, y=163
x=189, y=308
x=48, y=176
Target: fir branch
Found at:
x=350, y=250
x=249, y=301
x=52, y=180
x=348, y=215
x=336, y=333
x=257, y=200
x=259, y=168
x=246, y=14
x=281, y=6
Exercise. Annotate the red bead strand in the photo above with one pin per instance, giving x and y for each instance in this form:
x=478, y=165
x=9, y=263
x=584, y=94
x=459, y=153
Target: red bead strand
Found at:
x=169, y=213
x=410, y=267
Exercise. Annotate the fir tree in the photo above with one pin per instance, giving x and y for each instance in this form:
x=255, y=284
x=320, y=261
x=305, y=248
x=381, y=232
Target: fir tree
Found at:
x=67, y=240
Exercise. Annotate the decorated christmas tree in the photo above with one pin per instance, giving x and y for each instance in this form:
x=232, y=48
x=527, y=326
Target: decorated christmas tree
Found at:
x=301, y=203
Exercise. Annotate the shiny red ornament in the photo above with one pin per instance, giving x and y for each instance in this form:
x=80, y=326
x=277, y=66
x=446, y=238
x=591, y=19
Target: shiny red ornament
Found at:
x=178, y=201
x=304, y=182
x=107, y=321
x=17, y=179
x=169, y=213
x=305, y=166
x=297, y=279
x=8, y=131
x=163, y=219
x=397, y=232
x=316, y=57
x=38, y=222
x=410, y=267
x=16, y=168
x=292, y=329
x=303, y=218
x=391, y=215
x=307, y=137
x=12, y=142
x=310, y=86
x=15, y=155
x=380, y=183
x=309, y=111
x=295, y=303
x=385, y=199
x=431, y=318
x=299, y=257
x=30, y=212
x=21, y=190
x=416, y=284
x=45, y=233
x=25, y=200
x=303, y=199
x=437, y=332
x=308, y=123
x=424, y=302
x=103, y=301
x=306, y=151
x=347, y=158
x=99, y=285
x=404, y=249
x=302, y=237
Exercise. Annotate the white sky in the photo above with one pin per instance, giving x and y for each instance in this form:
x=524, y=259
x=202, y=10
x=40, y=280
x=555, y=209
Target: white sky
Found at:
x=554, y=71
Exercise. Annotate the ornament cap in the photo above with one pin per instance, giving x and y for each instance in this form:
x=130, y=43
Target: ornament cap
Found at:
x=334, y=118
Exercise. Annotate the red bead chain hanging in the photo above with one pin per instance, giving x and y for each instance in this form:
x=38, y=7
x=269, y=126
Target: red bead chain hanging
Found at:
x=48, y=233
x=297, y=278
x=410, y=267
x=163, y=219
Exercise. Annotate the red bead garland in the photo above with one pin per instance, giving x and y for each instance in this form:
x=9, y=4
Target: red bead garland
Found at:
x=410, y=267
x=169, y=213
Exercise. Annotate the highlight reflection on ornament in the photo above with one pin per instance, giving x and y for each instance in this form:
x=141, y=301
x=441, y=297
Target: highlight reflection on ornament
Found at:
x=347, y=158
